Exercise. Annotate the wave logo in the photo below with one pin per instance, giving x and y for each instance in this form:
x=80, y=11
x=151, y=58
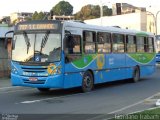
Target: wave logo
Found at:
x=100, y=61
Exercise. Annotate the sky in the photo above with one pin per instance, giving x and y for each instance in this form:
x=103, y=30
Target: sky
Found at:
x=9, y=6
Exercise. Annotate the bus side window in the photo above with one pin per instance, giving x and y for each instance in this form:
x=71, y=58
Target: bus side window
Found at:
x=150, y=45
x=73, y=48
x=89, y=43
x=146, y=49
x=104, y=42
x=131, y=44
x=140, y=44
x=118, y=43
x=77, y=47
x=70, y=43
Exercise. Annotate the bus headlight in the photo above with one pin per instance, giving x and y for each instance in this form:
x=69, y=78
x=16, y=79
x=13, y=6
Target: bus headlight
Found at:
x=14, y=70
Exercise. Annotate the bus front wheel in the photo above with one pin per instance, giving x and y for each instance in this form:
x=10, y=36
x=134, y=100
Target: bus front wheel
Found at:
x=87, y=82
x=136, y=74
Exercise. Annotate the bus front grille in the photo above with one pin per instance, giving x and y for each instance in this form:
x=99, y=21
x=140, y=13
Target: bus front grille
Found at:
x=34, y=82
x=35, y=70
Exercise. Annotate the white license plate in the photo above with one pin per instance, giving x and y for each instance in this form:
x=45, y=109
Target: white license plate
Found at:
x=33, y=79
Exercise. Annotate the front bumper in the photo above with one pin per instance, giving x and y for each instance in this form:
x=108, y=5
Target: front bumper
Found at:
x=55, y=81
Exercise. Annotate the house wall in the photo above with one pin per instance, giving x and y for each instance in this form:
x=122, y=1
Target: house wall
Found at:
x=137, y=21
x=4, y=60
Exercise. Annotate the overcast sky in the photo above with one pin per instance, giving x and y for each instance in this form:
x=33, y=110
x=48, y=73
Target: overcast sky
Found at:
x=9, y=6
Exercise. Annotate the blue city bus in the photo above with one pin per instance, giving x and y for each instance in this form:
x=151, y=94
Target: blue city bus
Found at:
x=65, y=54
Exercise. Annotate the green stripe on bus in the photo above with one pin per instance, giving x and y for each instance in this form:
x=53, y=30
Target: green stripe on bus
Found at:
x=84, y=61
x=141, y=34
x=142, y=57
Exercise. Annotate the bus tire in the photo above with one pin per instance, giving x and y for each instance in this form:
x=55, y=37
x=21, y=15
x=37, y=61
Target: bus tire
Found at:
x=87, y=82
x=136, y=74
x=43, y=89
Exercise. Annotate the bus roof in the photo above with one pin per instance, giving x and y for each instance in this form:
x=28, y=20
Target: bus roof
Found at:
x=106, y=28
x=48, y=24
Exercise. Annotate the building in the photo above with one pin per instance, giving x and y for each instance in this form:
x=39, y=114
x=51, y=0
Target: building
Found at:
x=5, y=20
x=55, y=17
x=124, y=8
x=131, y=18
x=5, y=54
x=20, y=16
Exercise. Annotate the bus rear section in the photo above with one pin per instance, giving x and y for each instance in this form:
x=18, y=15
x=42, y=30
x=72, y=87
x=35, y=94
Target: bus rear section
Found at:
x=107, y=54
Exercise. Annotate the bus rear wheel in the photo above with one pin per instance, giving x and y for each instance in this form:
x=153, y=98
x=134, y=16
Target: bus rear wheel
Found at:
x=136, y=75
x=43, y=89
x=87, y=82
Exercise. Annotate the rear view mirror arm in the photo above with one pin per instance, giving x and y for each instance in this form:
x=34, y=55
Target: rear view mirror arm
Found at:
x=6, y=39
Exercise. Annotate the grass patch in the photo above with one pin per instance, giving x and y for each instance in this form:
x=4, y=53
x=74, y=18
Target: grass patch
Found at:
x=153, y=114
x=153, y=111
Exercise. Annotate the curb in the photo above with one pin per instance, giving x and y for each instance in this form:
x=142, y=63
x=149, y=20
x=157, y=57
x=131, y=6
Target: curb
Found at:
x=144, y=110
x=13, y=89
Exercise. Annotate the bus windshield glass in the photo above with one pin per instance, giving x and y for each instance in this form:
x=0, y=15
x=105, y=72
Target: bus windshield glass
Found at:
x=39, y=47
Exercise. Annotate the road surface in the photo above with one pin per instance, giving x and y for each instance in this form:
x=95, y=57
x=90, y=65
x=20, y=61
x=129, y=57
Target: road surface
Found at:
x=105, y=101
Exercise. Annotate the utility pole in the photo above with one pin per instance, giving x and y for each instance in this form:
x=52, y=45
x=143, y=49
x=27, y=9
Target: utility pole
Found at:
x=101, y=11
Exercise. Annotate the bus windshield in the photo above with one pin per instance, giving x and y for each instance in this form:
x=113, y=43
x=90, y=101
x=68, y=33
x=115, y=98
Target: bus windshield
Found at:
x=37, y=47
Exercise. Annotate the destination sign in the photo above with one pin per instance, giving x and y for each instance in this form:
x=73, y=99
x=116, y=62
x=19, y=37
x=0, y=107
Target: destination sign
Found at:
x=37, y=26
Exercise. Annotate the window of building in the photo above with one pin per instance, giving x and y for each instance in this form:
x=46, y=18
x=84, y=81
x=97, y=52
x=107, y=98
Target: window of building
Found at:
x=104, y=42
x=130, y=43
x=118, y=43
x=89, y=39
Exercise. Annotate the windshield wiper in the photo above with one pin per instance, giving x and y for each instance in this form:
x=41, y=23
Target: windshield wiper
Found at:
x=27, y=41
x=44, y=40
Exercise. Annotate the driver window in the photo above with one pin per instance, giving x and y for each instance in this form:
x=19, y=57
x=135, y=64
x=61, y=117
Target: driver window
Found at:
x=73, y=45
x=73, y=48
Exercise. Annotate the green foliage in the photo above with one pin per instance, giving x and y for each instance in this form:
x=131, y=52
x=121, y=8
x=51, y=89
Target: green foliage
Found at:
x=28, y=19
x=92, y=11
x=107, y=11
x=38, y=16
x=63, y=8
x=15, y=21
x=145, y=115
x=34, y=16
x=153, y=112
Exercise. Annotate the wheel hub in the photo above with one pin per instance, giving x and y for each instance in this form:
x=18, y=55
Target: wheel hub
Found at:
x=87, y=81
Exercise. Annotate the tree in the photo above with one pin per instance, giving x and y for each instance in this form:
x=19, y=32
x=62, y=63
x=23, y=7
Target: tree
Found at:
x=107, y=11
x=38, y=16
x=41, y=16
x=15, y=21
x=86, y=12
x=92, y=11
x=28, y=18
x=34, y=16
x=62, y=8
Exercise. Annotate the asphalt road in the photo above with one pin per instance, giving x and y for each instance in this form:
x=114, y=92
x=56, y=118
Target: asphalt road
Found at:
x=105, y=101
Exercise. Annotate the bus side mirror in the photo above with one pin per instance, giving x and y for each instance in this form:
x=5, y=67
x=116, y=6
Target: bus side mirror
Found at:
x=13, y=44
x=6, y=40
x=69, y=39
